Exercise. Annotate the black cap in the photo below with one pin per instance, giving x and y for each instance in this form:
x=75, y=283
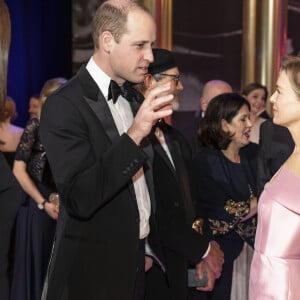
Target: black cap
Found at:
x=163, y=60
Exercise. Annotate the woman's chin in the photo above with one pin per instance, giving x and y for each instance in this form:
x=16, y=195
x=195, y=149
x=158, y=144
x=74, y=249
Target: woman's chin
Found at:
x=277, y=121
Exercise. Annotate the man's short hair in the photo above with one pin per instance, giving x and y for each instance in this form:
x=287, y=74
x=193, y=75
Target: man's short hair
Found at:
x=112, y=17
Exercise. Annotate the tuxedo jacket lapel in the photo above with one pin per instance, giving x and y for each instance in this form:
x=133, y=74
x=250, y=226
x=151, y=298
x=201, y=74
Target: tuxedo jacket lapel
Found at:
x=160, y=150
x=98, y=104
x=102, y=111
x=180, y=172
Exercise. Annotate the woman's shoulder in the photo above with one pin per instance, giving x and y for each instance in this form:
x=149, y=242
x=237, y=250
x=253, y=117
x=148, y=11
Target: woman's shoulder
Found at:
x=249, y=151
x=33, y=120
x=32, y=125
x=16, y=129
x=206, y=155
x=208, y=150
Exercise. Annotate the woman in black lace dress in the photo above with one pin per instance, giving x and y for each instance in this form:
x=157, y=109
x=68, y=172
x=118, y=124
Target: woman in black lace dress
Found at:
x=36, y=220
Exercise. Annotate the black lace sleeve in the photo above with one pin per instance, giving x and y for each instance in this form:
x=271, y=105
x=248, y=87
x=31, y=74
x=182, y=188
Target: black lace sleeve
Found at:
x=28, y=140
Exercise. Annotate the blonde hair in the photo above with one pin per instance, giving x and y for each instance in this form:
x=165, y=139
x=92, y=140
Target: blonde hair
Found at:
x=291, y=65
x=5, y=35
x=51, y=86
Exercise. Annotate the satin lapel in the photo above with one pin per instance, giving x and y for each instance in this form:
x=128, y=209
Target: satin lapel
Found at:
x=102, y=111
x=182, y=177
x=98, y=103
x=148, y=170
x=174, y=149
x=160, y=150
x=135, y=105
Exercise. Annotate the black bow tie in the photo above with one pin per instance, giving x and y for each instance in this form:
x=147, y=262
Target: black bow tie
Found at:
x=126, y=90
x=114, y=91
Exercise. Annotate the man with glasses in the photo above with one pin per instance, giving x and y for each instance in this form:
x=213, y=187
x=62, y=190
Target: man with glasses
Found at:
x=160, y=74
x=175, y=211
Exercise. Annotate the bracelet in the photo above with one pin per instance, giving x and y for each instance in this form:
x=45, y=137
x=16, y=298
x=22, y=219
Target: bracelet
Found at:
x=41, y=205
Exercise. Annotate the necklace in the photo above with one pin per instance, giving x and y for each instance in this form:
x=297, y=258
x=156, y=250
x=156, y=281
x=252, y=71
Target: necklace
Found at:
x=251, y=192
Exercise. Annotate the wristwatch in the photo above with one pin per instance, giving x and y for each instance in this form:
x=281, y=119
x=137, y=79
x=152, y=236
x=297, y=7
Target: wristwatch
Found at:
x=41, y=205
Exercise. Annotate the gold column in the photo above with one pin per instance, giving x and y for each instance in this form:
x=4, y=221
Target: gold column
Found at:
x=162, y=11
x=266, y=27
x=271, y=42
x=166, y=19
x=249, y=38
x=151, y=5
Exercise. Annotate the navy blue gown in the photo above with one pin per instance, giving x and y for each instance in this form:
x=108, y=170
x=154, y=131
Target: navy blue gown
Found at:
x=224, y=191
x=10, y=201
x=34, y=228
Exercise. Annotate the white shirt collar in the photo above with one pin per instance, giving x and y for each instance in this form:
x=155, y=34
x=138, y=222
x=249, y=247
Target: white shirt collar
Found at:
x=101, y=79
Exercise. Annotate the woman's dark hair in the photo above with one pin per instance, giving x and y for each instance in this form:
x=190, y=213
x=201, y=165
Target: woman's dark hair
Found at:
x=222, y=107
x=254, y=86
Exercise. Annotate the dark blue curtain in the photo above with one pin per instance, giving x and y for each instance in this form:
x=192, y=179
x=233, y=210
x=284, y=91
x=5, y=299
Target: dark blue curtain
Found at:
x=41, y=48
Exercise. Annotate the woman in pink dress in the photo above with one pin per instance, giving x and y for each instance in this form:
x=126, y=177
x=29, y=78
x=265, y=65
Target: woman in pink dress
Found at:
x=275, y=269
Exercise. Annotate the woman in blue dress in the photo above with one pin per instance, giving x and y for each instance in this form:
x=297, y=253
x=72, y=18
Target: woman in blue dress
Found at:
x=36, y=220
x=225, y=168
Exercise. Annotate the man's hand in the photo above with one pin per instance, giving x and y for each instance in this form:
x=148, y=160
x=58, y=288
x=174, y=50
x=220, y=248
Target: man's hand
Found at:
x=157, y=105
x=52, y=210
x=148, y=263
x=201, y=267
x=215, y=259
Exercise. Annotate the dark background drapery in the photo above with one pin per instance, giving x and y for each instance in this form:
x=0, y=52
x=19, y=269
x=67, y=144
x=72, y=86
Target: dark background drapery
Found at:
x=41, y=48
x=207, y=42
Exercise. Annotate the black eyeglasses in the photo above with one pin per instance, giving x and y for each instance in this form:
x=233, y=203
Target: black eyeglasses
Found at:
x=175, y=78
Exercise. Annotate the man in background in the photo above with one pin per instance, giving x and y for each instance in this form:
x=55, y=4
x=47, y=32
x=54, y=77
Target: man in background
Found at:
x=34, y=106
x=175, y=203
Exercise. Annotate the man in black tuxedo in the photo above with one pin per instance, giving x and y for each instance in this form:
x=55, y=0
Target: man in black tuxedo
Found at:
x=95, y=134
x=275, y=146
x=175, y=200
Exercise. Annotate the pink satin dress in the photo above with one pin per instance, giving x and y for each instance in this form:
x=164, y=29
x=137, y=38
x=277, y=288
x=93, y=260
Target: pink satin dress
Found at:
x=275, y=268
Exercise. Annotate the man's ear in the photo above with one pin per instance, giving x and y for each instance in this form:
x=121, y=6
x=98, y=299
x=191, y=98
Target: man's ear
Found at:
x=107, y=41
x=203, y=102
x=148, y=81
